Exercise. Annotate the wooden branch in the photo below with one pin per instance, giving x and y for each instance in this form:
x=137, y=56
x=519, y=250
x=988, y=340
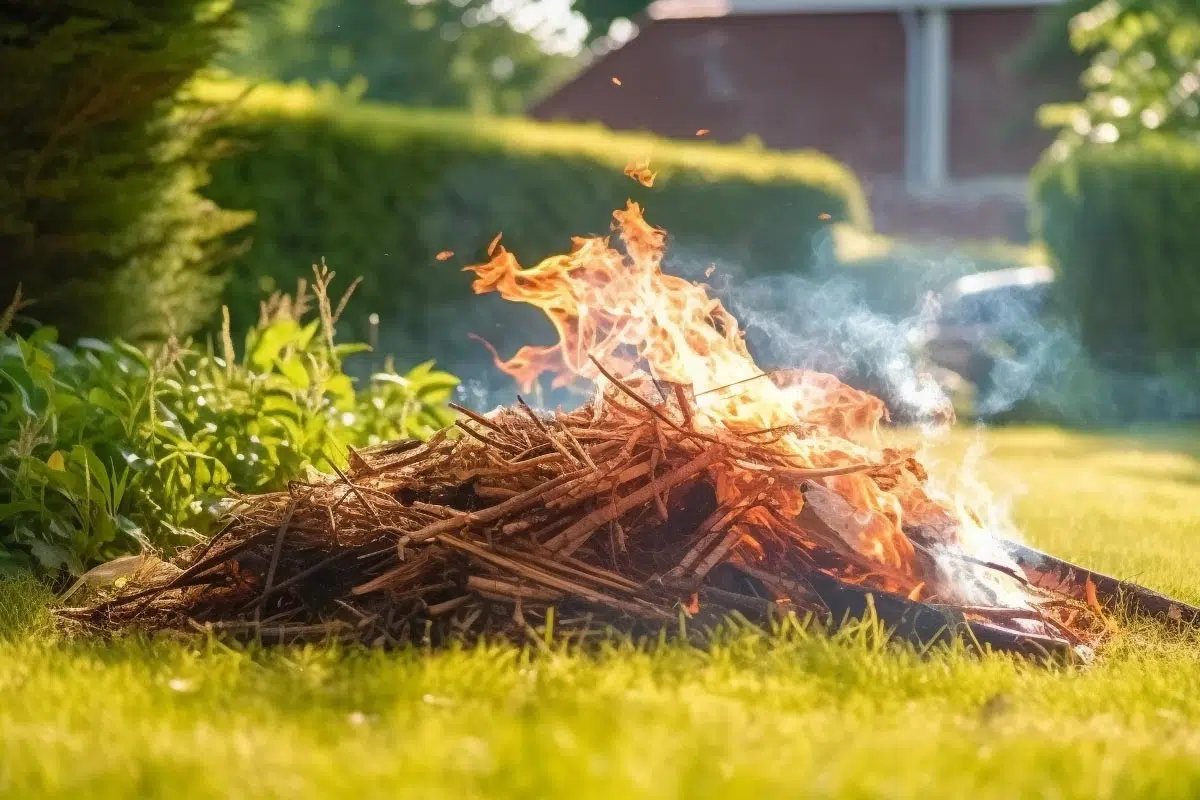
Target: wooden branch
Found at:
x=637, y=398
x=495, y=589
x=573, y=537
x=1056, y=575
x=493, y=513
x=553, y=581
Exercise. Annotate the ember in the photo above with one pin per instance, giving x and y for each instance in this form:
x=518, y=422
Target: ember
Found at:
x=640, y=171
x=692, y=484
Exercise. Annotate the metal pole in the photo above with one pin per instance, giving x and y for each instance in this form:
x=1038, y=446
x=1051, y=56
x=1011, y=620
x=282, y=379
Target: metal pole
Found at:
x=936, y=54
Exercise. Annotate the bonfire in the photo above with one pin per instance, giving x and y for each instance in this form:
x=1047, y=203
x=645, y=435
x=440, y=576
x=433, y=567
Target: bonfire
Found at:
x=692, y=486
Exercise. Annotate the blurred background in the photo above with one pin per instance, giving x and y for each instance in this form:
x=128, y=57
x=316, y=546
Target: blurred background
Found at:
x=1003, y=194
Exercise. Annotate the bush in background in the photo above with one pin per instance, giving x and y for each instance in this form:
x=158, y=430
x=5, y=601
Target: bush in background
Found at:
x=105, y=447
x=381, y=191
x=100, y=214
x=1122, y=222
x=1141, y=75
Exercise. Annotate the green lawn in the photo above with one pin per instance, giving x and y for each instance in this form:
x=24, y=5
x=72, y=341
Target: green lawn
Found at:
x=795, y=715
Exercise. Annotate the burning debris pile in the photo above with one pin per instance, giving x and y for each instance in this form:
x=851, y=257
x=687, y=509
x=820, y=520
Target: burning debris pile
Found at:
x=692, y=484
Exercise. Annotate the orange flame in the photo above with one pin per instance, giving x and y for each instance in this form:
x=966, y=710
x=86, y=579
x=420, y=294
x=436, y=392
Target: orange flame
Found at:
x=623, y=310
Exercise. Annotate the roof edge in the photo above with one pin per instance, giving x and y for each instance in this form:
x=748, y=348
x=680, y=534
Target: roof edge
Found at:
x=700, y=9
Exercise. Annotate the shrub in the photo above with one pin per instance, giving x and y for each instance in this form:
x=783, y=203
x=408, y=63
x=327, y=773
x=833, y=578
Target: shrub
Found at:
x=99, y=205
x=105, y=447
x=381, y=191
x=1141, y=75
x=1123, y=224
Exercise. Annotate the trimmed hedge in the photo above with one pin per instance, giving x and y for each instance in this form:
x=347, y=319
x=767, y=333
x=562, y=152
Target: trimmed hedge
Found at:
x=1123, y=224
x=101, y=220
x=379, y=191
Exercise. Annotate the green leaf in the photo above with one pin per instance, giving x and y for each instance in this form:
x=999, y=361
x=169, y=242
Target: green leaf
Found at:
x=342, y=389
x=305, y=337
x=52, y=557
x=44, y=335
x=294, y=370
x=344, y=350
x=94, y=468
x=100, y=397
x=390, y=377
x=134, y=353
x=22, y=393
x=18, y=507
x=96, y=345
x=277, y=403
x=271, y=341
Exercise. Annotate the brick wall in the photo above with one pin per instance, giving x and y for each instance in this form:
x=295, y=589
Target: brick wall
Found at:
x=964, y=212
x=831, y=82
x=835, y=83
x=993, y=128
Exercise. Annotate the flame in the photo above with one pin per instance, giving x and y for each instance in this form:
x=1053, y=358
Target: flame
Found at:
x=620, y=308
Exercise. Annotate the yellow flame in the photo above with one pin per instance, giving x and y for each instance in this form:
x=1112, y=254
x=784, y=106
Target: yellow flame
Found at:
x=622, y=309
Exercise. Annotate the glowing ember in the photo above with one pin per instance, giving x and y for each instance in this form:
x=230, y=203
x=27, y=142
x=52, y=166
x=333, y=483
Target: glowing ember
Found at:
x=640, y=171
x=620, y=310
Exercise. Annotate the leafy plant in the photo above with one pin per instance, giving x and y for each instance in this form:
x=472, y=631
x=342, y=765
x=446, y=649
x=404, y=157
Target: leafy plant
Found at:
x=106, y=448
x=1143, y=74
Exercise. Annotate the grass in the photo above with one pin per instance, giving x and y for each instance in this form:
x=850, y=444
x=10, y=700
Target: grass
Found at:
x=757, y=716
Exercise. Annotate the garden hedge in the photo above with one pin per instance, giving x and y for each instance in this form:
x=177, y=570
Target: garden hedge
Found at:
x=378, y=192
x=1122, y=222
x=101, y=220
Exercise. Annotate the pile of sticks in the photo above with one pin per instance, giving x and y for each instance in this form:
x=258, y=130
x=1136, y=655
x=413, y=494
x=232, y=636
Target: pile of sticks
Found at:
x=608, y=514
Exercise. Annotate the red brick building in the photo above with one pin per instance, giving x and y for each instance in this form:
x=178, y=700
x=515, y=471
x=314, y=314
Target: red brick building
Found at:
x=923, y=101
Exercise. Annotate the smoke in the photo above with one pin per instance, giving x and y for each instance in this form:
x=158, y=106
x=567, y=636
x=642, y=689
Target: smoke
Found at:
x=865, y=326
x=823, y=322
x=1047, y=375
x=1026, y=363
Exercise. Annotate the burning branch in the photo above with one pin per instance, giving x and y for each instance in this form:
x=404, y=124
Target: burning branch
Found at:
x=763, y=493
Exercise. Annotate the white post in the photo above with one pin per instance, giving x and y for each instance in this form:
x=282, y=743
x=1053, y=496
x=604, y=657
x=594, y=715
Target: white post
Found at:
x=936, y=73
x=914, y=97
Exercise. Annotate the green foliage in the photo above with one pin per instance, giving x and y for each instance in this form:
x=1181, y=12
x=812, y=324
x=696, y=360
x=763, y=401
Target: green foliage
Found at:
x=440, y=53
x=105, y=447
x=1144, y=73
x=1123, y=224
x=382, y=191
x=99, y=176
